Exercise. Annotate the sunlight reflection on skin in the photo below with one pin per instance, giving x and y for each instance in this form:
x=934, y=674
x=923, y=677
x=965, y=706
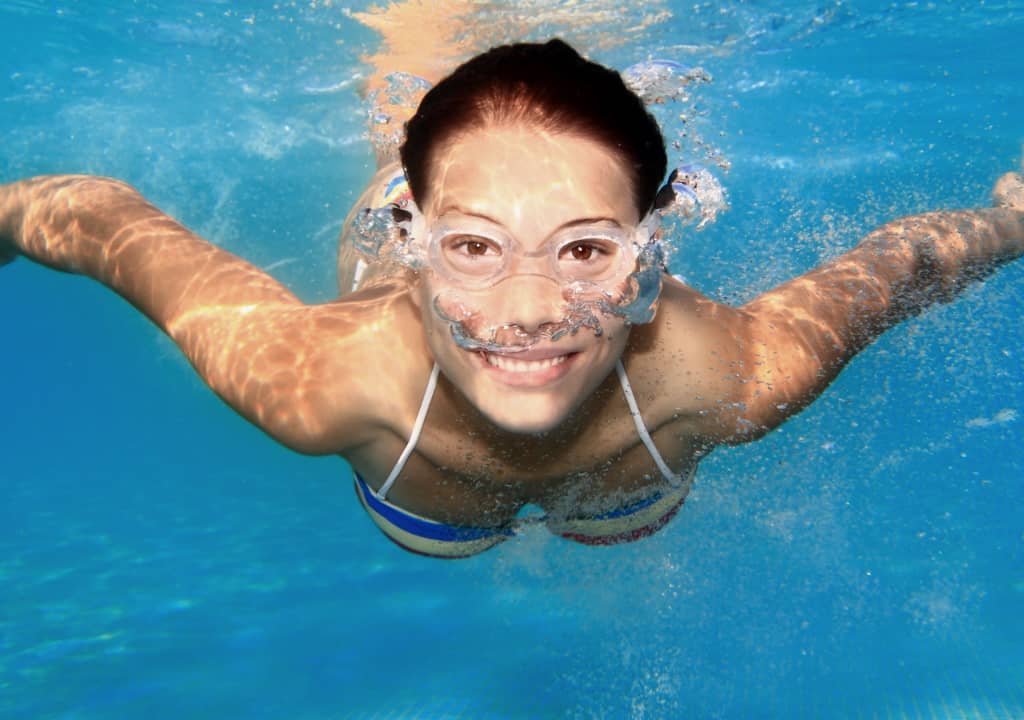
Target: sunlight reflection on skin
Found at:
x=834, y=311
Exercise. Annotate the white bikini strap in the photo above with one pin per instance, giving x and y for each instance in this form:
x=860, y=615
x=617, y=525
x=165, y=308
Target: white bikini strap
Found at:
x=358, y=275
x=414, y=436
x=673, y=479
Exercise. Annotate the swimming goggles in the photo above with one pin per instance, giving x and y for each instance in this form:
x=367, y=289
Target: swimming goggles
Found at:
x=473, y=253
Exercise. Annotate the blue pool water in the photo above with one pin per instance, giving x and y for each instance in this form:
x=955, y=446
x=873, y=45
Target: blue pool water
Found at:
x=159, y=558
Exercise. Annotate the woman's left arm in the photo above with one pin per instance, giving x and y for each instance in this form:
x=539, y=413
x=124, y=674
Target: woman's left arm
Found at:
x=797, y=337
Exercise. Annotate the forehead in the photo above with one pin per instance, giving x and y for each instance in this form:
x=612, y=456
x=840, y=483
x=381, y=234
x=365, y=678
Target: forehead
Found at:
x=529, y=179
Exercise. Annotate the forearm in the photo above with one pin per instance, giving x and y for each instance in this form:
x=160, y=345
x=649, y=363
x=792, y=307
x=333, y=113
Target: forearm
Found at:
x=928, y=258
x=800, y=335
x=65, y=222
x=106, y=230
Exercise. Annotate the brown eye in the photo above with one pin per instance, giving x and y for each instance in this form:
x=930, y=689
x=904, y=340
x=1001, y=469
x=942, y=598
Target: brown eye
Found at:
x=580, y=251
x=475, y=248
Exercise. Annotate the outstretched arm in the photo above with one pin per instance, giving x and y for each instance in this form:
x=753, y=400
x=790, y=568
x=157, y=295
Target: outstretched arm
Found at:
x=798, y=336
x=106, y=230
x=256, y=345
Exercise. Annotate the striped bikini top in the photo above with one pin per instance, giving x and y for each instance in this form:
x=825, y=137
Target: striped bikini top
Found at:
x=424, y=536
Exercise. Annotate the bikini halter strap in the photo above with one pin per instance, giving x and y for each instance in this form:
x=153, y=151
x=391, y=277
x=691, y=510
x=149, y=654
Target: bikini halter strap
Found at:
x=673, y=479
x=421, y=417
x=414, y=436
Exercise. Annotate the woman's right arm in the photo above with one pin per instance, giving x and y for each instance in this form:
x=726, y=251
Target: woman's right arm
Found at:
x=253, y=342
x=104, y=229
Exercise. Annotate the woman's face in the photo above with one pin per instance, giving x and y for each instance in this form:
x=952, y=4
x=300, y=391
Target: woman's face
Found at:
x=529, y=185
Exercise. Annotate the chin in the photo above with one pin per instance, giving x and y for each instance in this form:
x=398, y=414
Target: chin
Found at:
x=524, y=416
x=529, y=392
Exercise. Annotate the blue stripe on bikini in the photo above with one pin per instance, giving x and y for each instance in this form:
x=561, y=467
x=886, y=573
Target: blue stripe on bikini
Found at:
x=423, y=528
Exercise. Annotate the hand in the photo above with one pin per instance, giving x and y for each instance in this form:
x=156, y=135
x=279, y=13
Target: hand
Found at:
x=1009, y=192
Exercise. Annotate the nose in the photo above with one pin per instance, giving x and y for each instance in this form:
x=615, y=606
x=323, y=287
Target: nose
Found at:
x=527, y=301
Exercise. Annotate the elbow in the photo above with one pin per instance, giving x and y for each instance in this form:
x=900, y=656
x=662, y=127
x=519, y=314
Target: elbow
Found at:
x=299, y=426
x=306, y=422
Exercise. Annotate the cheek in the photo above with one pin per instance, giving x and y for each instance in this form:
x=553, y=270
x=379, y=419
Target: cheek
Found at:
x=422, y=296
x=437, y=331
x=432, y=326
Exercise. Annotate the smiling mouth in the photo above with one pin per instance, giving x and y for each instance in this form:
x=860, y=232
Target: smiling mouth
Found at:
x=520, y=369
x=516, y=365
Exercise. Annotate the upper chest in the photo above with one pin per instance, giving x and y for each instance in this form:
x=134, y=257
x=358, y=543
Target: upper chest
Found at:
x=459, y=474
x=461, y=471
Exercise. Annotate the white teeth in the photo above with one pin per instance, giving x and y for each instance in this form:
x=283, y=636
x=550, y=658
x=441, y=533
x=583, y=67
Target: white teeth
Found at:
x=510, y=364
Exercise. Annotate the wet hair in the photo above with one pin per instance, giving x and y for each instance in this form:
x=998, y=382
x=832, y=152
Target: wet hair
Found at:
x=548, y=86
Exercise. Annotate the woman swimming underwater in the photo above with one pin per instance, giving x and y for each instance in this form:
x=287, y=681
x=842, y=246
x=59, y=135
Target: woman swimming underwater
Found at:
x=546, y=358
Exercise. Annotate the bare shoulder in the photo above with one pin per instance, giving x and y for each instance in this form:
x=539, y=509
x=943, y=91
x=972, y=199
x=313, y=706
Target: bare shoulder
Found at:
x=324, y=379
x=368, y=364
x=693, y=360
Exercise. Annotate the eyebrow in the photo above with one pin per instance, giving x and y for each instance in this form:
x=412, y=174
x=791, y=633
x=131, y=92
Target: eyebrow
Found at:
x=464, y=211
x=571, y=223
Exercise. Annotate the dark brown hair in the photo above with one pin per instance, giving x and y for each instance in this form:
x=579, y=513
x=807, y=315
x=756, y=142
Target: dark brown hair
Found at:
x=545, y=85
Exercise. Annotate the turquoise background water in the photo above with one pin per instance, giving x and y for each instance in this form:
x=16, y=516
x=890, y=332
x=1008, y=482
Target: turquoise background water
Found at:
x=161, y=558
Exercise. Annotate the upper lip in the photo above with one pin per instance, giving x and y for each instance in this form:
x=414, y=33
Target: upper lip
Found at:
x=532, y=354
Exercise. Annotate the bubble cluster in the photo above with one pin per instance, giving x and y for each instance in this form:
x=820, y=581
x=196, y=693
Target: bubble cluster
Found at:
x=657, y=82
x=666, y=87
x=402, y=93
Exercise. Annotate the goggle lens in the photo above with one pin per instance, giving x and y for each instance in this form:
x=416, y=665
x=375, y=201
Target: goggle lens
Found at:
x=475, y=257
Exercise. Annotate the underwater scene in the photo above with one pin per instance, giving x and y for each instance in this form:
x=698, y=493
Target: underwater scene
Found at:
x=162, y=558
